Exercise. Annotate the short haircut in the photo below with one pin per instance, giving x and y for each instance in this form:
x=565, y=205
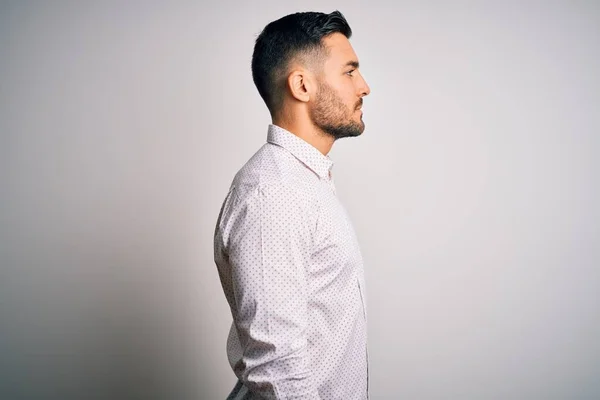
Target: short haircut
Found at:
x=294, y=36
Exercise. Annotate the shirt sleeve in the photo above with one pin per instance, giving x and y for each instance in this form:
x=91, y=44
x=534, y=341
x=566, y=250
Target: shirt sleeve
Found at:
x=269, y=251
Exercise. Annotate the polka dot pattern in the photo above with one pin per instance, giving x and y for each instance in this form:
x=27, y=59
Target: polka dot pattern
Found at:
x=292, y=273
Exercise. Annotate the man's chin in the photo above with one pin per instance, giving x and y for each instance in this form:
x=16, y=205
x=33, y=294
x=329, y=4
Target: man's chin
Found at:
x=349, y=133
x=353, y=129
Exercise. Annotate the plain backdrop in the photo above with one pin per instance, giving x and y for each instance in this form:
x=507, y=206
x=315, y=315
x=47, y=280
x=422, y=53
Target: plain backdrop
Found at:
x=474, y=191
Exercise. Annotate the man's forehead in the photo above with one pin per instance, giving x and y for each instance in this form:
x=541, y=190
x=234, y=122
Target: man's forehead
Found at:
x=339, y=48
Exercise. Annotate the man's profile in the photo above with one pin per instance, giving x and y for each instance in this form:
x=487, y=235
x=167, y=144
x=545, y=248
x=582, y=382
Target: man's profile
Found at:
x=287, y=255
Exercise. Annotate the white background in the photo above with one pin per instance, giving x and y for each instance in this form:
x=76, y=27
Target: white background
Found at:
x=474, y=192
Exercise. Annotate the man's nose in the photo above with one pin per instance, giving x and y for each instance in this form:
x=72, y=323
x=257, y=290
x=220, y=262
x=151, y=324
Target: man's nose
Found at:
x=364, y=88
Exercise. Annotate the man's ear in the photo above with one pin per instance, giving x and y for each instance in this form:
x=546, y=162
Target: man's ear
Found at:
x=301, y=85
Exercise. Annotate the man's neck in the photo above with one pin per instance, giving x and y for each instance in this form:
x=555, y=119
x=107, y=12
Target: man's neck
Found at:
x=307, y=132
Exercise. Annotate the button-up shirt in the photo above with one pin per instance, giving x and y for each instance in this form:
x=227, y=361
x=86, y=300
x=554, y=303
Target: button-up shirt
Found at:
x=292, y=273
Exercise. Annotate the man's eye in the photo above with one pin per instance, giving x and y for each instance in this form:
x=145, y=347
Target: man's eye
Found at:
x=349, y=73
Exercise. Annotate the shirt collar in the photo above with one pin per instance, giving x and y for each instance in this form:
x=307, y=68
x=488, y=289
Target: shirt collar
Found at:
x=302, y=150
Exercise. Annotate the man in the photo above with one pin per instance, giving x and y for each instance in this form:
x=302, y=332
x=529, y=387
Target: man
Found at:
x=287, y=255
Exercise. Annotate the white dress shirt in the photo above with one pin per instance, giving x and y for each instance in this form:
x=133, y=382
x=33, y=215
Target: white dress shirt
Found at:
x=292, y=272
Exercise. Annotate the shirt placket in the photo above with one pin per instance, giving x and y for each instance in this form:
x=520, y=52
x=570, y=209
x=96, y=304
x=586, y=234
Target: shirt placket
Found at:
x=330, y=182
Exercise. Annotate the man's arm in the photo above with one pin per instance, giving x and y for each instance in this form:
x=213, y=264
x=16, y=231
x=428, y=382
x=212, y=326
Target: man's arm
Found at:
x=269, y=250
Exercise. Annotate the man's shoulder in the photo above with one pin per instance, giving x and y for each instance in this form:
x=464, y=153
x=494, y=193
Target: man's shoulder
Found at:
x=274, y=168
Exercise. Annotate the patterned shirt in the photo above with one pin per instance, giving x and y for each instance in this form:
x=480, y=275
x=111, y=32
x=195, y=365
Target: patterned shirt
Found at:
x=292, y=273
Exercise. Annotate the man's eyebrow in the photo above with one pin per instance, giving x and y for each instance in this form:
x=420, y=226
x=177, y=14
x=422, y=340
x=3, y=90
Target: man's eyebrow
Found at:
x=352, y=63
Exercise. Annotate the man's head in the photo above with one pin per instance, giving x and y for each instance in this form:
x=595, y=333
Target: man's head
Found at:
x=304, y=67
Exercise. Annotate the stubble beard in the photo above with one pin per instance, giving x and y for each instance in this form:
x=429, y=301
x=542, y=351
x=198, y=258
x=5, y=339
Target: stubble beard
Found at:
x=331, y=115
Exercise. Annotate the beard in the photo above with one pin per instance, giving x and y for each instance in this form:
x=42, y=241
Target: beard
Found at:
x=332, y=116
